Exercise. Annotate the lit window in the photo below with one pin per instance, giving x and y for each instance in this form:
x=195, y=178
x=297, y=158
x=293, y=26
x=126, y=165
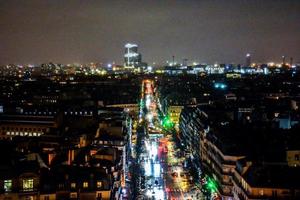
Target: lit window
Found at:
x=7, y=185
x=261, y=192
x=73, y=195
x=99, y=184
x=73, y=185
x=61, y=186
x=85, y=184
x=27, y=184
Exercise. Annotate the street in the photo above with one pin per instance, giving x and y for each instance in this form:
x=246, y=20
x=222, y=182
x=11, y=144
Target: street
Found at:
x=162, y=174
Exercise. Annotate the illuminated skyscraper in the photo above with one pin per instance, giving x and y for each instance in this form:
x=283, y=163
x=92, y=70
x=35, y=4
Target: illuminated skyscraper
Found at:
x=248, y=60
x=283, y=60
x=132, y=57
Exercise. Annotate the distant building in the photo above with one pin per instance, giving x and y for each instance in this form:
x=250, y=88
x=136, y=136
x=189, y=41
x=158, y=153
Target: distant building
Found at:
x=248, y=60
x=132, y=57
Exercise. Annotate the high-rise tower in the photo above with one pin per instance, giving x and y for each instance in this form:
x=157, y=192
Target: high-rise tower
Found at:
x=283, y=60
x=248, y=60
x=131, y=57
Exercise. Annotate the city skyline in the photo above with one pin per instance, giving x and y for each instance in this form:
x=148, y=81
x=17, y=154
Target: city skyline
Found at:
x=149, y=99
x=207, y=31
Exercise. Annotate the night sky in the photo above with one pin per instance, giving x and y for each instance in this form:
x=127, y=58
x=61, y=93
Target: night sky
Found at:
x=64, y=31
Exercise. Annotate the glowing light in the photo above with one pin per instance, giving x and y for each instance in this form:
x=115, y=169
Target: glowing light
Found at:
x=167, y=123
x=148, y=101
x=220, y=85
x=157, y=170
x=153, y=150
x=211, y=185
x=149, y=117
x=149, y=193
x=271, y=64
x=142, y=104
x=128, y=45
x=131, y=54
x=147, y=167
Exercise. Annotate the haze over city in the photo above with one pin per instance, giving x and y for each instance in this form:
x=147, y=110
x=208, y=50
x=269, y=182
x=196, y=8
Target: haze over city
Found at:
x=95, y=31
